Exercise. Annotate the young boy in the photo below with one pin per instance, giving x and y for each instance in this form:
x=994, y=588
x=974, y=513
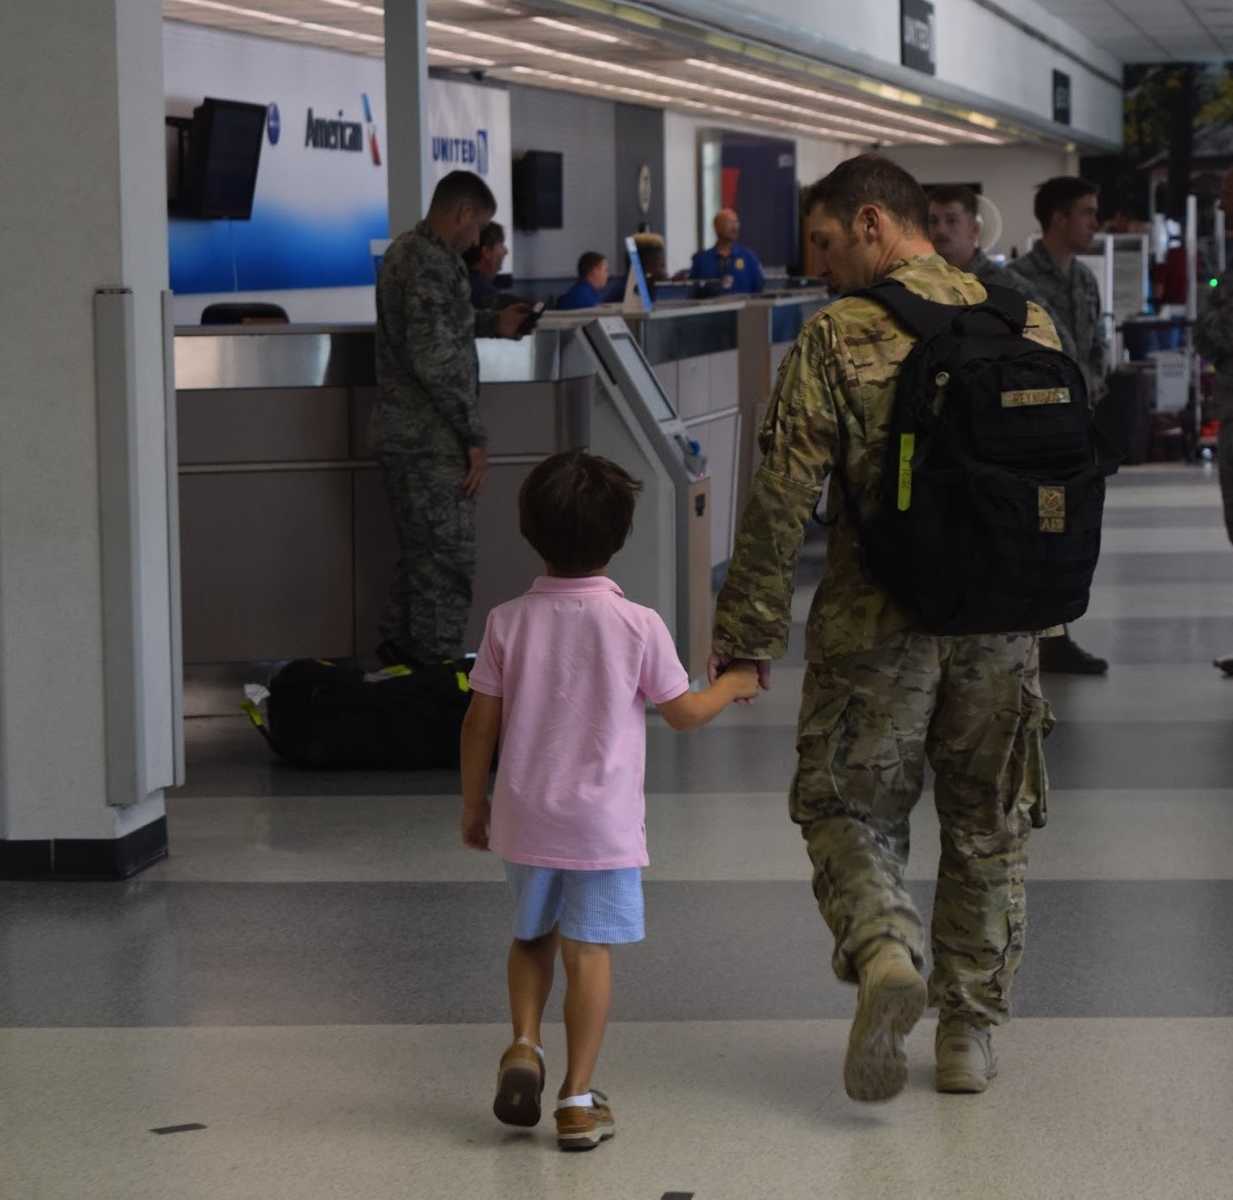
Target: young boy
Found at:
x=561, y=680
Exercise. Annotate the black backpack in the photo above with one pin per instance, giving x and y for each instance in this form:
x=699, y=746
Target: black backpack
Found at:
x=328, y=714
x=993, y=486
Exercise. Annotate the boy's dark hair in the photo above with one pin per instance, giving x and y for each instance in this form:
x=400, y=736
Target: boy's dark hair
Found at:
x=463, y=187
x=955, y=193
x=490, y=235
x=1060, y=195
x=576, y=510
x=588, y=262
x=870, y=179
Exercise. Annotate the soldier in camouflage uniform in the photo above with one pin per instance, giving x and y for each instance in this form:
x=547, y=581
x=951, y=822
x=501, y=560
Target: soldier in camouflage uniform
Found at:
x=430, y=443
x=954, y=228
x=880, y=698
x=1213, y=338
x=1067, y=210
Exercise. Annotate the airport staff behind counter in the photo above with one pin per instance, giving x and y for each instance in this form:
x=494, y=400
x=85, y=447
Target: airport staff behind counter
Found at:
x=736, y=267
x=592, y=283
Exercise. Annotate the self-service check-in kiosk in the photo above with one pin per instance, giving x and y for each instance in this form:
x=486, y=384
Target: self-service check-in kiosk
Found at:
x=666, y=563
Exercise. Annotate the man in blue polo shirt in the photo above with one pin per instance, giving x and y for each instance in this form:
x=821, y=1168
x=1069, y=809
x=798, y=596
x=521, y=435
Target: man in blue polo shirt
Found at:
x=591, y=285
x=735, y=266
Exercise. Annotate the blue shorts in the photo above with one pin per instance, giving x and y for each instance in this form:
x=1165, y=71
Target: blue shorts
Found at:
x=589, y=906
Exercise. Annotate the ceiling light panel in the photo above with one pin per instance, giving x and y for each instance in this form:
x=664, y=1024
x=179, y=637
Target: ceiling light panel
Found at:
x=690, y=85
x=577, y=30
x=770, y=81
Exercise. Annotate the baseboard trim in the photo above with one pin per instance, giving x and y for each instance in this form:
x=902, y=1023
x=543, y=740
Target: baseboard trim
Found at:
x=67, y=859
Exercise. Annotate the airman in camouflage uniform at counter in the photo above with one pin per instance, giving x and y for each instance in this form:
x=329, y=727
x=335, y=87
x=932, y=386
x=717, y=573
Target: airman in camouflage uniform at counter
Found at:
x=879, y=697
x=430, y=443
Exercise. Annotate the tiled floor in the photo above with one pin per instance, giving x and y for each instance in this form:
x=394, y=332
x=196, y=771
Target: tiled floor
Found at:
x=315, y=975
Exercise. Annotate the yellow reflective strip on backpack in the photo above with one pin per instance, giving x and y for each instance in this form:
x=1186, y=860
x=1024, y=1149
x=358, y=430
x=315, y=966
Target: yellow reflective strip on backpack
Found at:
x=254, y=713
x=907, y=449
x=464, y=684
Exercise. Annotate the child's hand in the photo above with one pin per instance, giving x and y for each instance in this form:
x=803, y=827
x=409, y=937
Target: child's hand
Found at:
x=744, y=676
x=475, y=826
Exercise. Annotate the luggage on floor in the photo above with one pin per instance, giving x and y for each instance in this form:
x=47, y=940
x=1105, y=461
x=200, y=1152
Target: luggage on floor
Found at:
x=322, y=714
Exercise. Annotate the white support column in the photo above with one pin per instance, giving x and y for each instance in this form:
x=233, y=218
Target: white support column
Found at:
x=406, y=103
x=87, y=731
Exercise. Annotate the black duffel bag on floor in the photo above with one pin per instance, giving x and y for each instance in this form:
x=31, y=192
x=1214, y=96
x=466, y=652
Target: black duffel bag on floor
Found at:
x=321, y=714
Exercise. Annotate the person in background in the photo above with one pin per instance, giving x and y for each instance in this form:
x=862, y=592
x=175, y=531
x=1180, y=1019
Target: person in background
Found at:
x=427, y=432
x=735, y=266
x=562, y=681
x=592, y=282
x=1213, y=338
x=484, y=261
x=1067, y=209
x=955, y=228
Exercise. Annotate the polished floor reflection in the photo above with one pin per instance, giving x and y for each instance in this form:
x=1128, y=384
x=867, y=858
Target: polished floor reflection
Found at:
x=315, y=973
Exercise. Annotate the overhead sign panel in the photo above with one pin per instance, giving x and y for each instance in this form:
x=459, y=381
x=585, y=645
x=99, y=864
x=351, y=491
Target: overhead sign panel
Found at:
x=917, y=33
x=1061, y=97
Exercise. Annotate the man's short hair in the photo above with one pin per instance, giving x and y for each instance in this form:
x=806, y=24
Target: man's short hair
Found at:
x=463, y=187
x=493, y=234
x=870, y=179
x=576, y=510
x=588, y=262
x=955, y=193
x=1060, y=195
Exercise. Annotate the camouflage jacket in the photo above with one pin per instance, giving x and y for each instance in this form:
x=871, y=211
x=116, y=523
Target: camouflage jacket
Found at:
x=843, y=368
x=1213, y=338
x=1073, y=301
x=989, y=273
x=427, y=367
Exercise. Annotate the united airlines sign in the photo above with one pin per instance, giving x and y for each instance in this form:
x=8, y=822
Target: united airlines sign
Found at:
x=470, y=154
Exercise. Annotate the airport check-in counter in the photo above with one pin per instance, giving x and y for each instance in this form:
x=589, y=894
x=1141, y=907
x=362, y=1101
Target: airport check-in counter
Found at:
x=717, y=361
x=768, y=327
x=288, y=547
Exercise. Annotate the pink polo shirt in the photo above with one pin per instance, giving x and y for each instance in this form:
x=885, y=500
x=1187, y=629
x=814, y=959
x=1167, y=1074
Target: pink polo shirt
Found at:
x=573, y=662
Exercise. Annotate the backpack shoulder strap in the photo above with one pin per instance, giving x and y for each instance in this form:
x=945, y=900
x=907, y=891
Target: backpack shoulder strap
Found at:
x=1010, y=304
x=920, y=317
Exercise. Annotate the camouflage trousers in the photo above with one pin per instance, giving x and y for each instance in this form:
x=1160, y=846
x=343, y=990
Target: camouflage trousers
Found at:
x=430, y=598
x=971, y=707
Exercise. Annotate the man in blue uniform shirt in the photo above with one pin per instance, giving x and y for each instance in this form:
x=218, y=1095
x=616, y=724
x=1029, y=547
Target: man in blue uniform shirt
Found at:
x=591, y=285
x=735, y=266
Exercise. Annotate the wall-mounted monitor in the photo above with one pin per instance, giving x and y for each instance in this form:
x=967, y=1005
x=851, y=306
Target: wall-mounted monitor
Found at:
x=219, y=153
x=539, y=190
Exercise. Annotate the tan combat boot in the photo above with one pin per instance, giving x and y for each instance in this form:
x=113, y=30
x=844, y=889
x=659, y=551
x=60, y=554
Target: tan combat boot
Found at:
x=890, y=1001
x=965, y=1058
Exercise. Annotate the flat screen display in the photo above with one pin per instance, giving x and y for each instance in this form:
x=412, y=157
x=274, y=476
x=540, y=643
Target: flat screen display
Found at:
x=226, y=152
x=644, y=378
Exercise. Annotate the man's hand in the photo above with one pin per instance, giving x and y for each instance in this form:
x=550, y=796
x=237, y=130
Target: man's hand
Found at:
x=475, y=826
x=477, y=470
x=511, y=319
x=717, y=664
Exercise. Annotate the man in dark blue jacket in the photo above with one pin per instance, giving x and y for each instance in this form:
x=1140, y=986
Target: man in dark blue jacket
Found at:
x=591, y=285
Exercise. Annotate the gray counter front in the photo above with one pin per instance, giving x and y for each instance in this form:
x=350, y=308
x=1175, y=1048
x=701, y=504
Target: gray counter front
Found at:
x=287, y=542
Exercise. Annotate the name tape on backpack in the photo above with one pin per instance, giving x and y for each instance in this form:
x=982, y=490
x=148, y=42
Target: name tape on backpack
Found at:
x=1034, y=397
